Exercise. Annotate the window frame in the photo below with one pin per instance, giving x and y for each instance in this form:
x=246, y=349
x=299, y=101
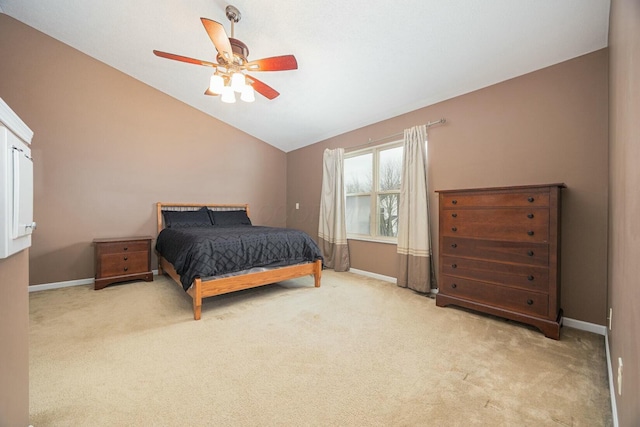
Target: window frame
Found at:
x=374, y=194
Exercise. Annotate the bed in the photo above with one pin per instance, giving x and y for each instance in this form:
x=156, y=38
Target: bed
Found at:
x=207, y=260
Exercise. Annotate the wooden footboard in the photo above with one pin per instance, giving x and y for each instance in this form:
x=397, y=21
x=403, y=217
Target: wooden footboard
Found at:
x=202, y=289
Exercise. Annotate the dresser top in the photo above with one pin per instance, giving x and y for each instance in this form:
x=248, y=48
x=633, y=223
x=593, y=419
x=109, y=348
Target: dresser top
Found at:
x=517, y=187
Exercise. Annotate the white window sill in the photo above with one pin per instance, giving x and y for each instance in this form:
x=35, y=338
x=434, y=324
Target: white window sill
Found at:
x=373, y=240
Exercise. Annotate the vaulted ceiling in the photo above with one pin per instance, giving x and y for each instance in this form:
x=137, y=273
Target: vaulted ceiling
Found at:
x=360, y=61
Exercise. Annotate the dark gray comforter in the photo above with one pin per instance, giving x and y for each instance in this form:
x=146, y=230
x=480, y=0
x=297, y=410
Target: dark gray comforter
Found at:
x=212, y=251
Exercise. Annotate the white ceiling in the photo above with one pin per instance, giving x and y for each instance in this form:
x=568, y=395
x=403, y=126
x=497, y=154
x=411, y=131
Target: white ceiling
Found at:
x=360, y=61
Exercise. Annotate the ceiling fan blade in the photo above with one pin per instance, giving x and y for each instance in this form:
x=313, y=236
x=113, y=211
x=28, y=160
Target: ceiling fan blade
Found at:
x=275, y=63
x=219, y=37
x=263, y=88
x=184, y=59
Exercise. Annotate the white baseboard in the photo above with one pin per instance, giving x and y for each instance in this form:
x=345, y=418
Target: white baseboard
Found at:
x=68, y=283
x=373, y=275
x=612, y=388
x=56, y=285
x=585, y=326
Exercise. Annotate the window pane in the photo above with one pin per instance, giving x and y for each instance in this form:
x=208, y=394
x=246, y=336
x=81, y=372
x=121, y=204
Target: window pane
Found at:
x=388, y=215
x=357, y=173
x=390, y=173
x=358, y=211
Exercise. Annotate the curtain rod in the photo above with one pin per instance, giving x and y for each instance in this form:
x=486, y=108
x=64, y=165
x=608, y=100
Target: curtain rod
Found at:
x=371, y=141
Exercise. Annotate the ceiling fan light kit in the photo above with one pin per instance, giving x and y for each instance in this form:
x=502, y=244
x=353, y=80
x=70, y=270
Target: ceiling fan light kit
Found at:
x=227, y=95
x=232, y=60
x=216, y=84
x=248, y=94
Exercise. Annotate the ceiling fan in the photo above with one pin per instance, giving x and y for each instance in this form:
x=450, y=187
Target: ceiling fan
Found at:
x=229, y=75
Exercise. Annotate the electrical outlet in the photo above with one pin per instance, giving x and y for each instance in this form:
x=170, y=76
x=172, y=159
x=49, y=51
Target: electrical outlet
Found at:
x=610, y=316
x=619, y=376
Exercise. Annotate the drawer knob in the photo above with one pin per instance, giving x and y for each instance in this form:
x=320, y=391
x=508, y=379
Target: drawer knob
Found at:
x=126, y=258
x=454, y=228
x=453, y=285
x=530, y=301
x=454, y=201
x=126, y=248
x=126, y=269
x=530, y=253
x=454, y=265
x=454, y=245
x=530, y=216
x=455, y=215
x=530, y=232
x=530, y=278
x=531, y=199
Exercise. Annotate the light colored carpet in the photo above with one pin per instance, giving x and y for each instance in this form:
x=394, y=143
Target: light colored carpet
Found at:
x=356, y=351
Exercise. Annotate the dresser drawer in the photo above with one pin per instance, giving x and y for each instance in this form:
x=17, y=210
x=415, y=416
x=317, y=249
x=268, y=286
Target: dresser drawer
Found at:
x=532, y=303
x=523, y=198
x=526, y=277
x=123, y=264
x=514, y=224
x=122, y=247
x=497, y=250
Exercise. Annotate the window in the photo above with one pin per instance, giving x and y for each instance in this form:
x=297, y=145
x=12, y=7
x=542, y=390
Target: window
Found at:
x=372, y=186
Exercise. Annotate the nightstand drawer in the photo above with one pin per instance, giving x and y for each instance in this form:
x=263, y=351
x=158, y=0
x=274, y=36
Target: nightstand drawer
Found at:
x=525, y=302
x=121, y=247
x=124, y=263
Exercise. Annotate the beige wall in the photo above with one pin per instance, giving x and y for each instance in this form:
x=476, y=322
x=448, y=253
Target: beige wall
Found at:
x=107, y=147
x=14, y=340
x=624, y=187
x=545, y=127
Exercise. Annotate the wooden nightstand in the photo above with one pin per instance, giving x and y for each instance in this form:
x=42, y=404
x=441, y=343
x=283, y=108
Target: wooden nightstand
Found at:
x=122, y=259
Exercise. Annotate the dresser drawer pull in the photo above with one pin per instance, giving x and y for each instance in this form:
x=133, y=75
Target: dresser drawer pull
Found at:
x=530, y=232
x=531, y=199
x=126, y=248
x=455, y=215
x=454, y=228
x=530, y=216
x=530, y=278
x=530, y=301
x=454, y=201
x=530, y=253
x=126, y=258
x=454, y=265
x=126, y=269
x=453, y=285
x=454, y=245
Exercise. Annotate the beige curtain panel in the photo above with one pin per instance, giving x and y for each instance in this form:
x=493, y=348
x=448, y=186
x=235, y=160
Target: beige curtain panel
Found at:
x=332, y=229
x=414, y=252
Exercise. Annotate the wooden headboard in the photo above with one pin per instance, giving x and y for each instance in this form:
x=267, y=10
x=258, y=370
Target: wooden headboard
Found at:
x=162, y=206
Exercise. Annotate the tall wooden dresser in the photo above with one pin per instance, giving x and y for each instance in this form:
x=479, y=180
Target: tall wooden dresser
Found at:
x=500, y=253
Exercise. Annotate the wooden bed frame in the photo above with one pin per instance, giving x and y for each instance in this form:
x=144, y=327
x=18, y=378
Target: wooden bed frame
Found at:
x=202, y=289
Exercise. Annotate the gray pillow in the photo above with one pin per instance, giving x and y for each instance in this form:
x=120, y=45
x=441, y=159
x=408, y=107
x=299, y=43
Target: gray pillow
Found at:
x=177, y=219
x=229, y=218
